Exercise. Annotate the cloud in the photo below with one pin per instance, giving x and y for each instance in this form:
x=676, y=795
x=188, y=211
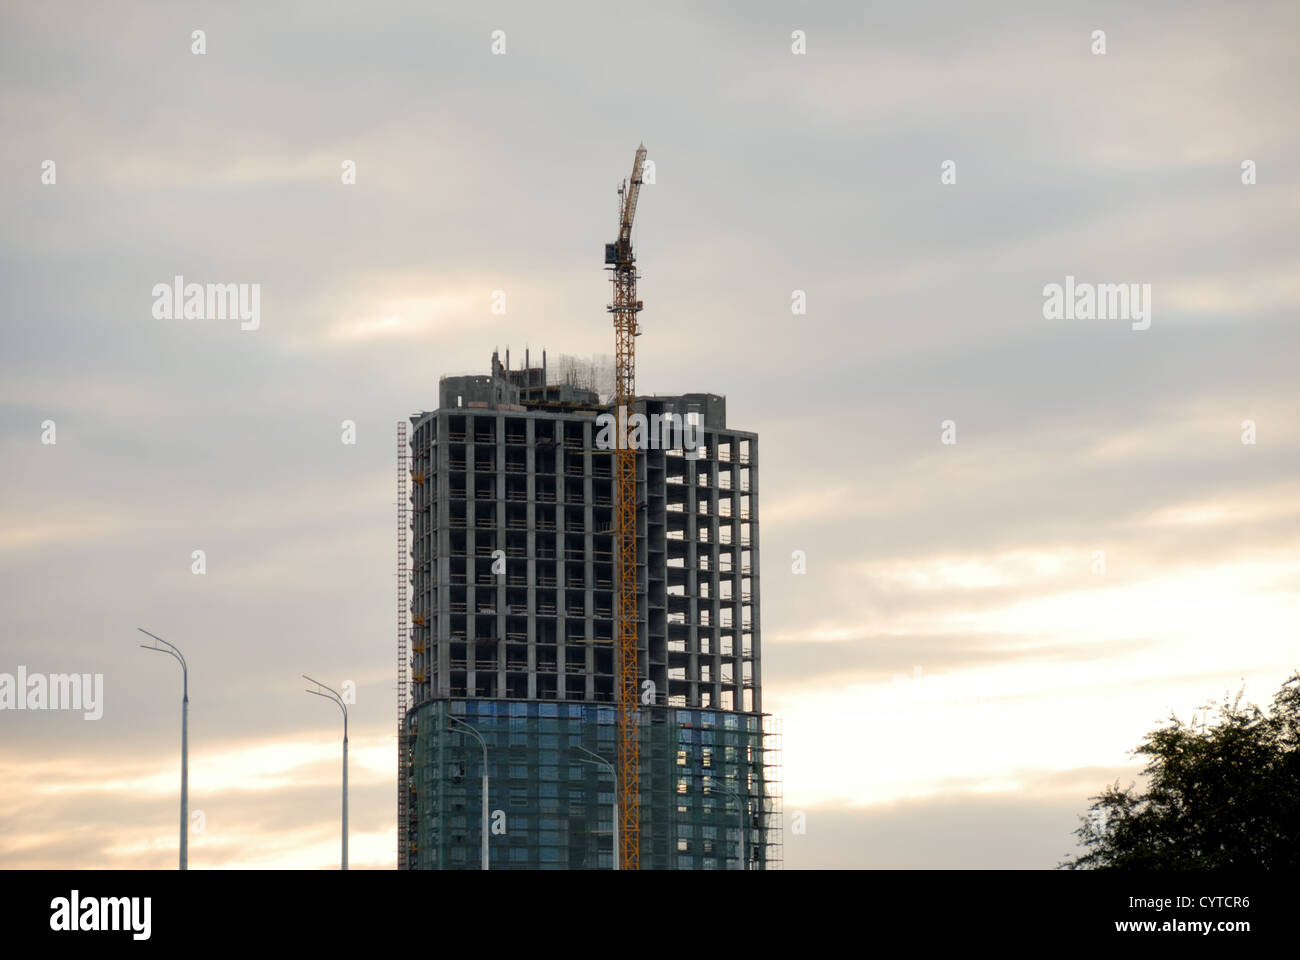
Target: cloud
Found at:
x=774, y=173
x=1028, y=828
x=261, y=805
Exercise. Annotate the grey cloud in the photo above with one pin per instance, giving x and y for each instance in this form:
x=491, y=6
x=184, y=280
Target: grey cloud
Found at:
x=477, y=172
x=1030, y=829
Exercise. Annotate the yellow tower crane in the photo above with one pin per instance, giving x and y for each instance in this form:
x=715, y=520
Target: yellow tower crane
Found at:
x=622, y=265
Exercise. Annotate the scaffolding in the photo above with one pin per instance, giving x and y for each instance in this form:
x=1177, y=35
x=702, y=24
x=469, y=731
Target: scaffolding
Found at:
x=773, y=817
x=403, y=577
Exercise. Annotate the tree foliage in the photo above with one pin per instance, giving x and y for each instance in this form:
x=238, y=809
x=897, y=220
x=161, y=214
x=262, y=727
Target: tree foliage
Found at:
x=1220, y=793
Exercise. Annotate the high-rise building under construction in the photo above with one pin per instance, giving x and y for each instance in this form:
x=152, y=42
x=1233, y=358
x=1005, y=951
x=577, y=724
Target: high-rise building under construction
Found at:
x=512, y=619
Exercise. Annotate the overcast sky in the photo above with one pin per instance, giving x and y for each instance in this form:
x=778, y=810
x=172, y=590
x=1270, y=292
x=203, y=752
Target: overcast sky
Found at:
x=985, y=628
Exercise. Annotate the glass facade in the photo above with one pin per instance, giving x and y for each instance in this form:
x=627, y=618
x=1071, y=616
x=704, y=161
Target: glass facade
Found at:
x=551, y=806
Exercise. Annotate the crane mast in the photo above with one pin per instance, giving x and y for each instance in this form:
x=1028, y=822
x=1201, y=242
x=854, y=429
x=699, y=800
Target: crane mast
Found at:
x=621, y=262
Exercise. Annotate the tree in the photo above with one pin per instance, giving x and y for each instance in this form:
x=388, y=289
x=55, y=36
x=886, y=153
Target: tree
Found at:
x=1218, y=795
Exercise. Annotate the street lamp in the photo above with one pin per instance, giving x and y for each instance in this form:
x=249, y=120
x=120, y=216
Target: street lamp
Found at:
x=333, y=694
x=482, y=743
x=598, y=760
x=171, y=650
x=744, y=832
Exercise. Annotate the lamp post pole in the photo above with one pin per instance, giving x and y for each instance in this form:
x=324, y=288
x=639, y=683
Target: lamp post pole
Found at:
x=185, y=738
x=482, y=743
x=333, y=695
x=598, y=760
x=744, y=832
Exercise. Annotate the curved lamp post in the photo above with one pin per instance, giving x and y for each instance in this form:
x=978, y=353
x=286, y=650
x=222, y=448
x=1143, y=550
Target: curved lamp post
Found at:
x=744, y=827
x=332, y=694
x=171, y=650
x=598, y=761
x=482, y=743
